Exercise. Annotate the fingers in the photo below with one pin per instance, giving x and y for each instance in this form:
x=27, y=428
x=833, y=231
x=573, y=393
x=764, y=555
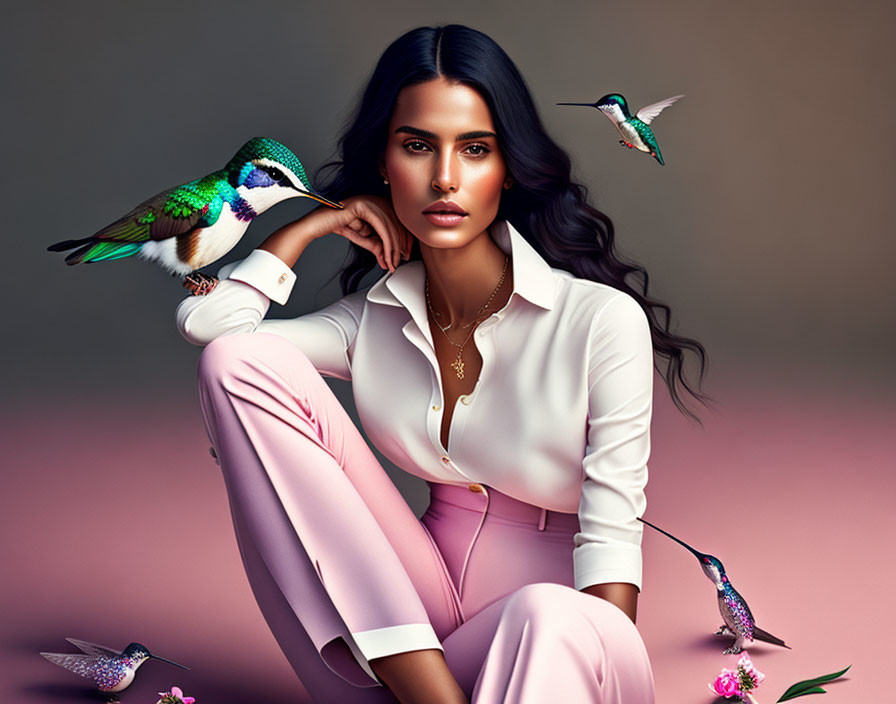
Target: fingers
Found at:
x=359, y=225
x=389, y=237
x=378, y=231
x=402, y=239
x=364, y=239
x=367, y=238
x=408, y=243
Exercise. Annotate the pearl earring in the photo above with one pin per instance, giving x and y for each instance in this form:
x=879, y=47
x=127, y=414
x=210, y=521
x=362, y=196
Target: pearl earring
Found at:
x=385, y=180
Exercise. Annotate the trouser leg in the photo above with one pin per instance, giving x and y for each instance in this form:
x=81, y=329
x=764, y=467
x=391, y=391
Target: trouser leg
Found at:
x=540, y=641
x=554, y=643
x=334, y=535
x=321, y=682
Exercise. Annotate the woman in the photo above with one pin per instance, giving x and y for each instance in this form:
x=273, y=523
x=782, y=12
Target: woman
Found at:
x=505, y=361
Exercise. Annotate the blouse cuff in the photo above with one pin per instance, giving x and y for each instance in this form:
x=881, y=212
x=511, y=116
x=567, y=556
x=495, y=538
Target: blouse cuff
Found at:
x=599, y=563
x=380, y=642
x=267, y=273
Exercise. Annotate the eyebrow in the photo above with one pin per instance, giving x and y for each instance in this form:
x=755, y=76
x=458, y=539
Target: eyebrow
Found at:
x=476, y=134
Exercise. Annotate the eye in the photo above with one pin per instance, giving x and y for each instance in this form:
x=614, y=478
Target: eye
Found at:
x=407, y=145
x=274, y=173
x=483, y=150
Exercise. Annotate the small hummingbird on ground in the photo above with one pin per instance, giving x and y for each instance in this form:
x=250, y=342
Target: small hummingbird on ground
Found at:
x=111, y=670
x=187, y=227
x=738, y=620
x=634, y=130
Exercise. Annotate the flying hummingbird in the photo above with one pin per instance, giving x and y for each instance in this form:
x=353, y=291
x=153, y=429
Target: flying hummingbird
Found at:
x=634, y=130
x=111, y=670
x=192, y=225
x=738, y=620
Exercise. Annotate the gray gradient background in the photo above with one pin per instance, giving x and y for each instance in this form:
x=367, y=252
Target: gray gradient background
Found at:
x=769, y=231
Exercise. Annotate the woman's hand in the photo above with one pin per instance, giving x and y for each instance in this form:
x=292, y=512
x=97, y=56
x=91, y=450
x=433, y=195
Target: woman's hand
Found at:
x=371, y=222
x=368, y=221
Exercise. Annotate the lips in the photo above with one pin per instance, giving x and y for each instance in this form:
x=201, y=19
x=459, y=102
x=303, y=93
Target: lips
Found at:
x=444, y=207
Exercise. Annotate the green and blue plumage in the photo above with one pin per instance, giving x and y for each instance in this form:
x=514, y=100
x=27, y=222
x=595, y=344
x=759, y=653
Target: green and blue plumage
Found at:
x=191, y=206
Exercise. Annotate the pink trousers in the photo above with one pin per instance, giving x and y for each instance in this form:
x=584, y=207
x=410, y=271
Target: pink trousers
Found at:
x=332, y=549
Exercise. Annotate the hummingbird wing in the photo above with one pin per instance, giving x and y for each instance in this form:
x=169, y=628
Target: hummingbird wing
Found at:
x=170, y=213
x=93, y=648
x=173, y=212
x=79, y=664
x=649, y=112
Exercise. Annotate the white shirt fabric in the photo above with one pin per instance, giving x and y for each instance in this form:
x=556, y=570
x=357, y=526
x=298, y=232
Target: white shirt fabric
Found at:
x=559, y=418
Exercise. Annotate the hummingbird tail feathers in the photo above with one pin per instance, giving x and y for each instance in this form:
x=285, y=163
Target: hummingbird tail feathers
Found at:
x=767, y=637
x=95, y=250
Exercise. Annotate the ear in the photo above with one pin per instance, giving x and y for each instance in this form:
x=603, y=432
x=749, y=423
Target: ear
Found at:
x=508, y=182
x=382, y=167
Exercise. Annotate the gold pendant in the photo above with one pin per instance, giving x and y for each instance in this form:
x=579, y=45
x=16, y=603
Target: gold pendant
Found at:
x=458, y=366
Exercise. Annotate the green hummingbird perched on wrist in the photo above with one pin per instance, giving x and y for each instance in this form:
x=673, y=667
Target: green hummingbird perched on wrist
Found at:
x=192, y=225
x=634, y=129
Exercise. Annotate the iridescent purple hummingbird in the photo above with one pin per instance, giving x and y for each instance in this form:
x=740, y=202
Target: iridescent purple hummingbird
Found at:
x=192, y=225
x=111, y=670
x=634, y=131
x=738, y=621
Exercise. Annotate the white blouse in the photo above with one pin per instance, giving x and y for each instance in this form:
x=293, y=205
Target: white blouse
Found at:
x=560, y=415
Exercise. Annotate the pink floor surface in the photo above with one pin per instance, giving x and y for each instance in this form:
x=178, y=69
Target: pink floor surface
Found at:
x=116, y=528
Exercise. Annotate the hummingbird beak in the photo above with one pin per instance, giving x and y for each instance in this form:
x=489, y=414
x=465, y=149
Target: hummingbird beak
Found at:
x=170, y=662
x=320, y=199
x=587, y=105
x=697, y=554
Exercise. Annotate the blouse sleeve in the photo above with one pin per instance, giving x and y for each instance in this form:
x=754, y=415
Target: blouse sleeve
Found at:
x=620, y=399
x=242, y=298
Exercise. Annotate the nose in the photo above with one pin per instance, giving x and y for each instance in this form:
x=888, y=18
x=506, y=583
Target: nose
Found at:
x=446, y=173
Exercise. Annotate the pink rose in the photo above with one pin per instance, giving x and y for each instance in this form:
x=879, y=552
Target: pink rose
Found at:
x=726, y=684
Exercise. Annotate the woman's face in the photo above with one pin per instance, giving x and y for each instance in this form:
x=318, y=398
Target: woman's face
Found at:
x=442, y=146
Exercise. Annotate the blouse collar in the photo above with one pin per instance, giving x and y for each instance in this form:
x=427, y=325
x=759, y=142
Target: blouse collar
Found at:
x=533, y=279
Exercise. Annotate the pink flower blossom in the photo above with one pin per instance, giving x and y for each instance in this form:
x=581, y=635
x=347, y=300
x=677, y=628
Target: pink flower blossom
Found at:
x=739, y=682
x=178, y=692
x=175, y=696
x=750, y=677
x=726, y=684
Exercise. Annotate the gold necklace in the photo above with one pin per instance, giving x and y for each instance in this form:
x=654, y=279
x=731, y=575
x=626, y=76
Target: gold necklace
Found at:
x=458, y=364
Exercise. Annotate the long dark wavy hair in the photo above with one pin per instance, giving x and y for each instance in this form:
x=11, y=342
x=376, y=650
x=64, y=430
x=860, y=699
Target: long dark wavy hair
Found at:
x=543, y=204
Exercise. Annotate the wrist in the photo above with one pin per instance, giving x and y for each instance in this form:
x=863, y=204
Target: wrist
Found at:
x=620, y=594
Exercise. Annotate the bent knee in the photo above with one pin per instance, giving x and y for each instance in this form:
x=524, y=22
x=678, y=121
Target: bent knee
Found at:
x=224, y=353
x=228, y=354
x=543, y=601
x=558, y=605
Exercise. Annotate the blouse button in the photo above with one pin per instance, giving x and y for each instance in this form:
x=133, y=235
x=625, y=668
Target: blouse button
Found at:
x=281, y=279
x=465, y=399
x=446, y=459
x=476, y=488
x=436, y=407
